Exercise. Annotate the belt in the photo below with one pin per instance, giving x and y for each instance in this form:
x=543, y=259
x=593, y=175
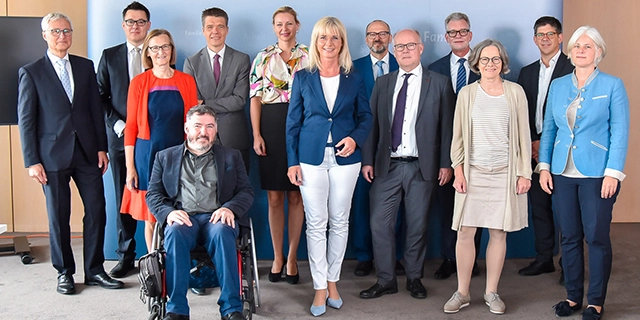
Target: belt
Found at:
x=404, y=159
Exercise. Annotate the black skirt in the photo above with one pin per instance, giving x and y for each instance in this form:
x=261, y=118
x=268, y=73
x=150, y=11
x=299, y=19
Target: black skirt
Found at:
x=273, y=166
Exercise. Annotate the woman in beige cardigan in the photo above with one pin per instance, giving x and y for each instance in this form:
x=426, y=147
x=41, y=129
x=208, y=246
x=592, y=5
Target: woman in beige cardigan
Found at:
x=490, y=154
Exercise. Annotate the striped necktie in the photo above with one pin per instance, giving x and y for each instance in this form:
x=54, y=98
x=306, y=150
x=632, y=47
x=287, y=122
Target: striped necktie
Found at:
x=462, y=75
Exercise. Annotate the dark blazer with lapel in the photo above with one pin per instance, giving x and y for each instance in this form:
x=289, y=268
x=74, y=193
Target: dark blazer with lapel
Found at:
x=229, y=98
x=309, y=120
x=50, y=124
x=366, y=69
x=443, y=67
x=234, y=191
x=528, y=79
x=113, y=83
x=434, y=124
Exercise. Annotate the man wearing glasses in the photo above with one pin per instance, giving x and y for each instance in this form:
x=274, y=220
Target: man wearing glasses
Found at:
x=454, y=65
x=535, y=80
x=405, y=157
x=377, y=63
x=63, y=136
x=118, y=65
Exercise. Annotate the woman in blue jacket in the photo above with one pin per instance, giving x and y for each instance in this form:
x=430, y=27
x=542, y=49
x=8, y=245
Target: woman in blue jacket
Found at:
x=582, y=154
x=327, y=122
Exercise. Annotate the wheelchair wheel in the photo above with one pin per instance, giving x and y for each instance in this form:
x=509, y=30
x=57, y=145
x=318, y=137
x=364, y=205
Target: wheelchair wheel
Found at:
x=157, y=308
x=254, y=255
x=248, y=285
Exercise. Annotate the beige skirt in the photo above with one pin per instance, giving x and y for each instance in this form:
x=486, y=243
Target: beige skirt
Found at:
x=485, y=204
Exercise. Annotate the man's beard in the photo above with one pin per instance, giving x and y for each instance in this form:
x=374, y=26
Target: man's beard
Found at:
x=200, y=146
x=378, y=49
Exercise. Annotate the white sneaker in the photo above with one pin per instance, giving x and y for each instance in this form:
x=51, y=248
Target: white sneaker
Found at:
x=496, y=305
x=457, y=302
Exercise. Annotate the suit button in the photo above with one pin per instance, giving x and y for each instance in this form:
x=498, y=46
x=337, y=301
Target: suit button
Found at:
x=575, y=147
x=575, y=127
x=581, y=99
x=583, y=90
x=330, y=120
x=73, y=132
x=579, y=106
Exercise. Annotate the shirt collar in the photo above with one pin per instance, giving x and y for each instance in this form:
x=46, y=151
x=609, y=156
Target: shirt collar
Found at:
x=553, y=60
x=186, y=151
x=221, y=52
x=375, y=60
x=54, y=59
x=453, y=59
x=130, y=47
x=586, y=83
x=417, y=71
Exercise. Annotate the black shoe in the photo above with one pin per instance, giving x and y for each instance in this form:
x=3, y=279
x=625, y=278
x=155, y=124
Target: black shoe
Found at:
x=475, y=271
x=416, y=288
x=103, y=280
x=175, y=316
x=122, y=269
x=275, y=277
x=447, y=268
x=400, y=269
x=564, y=309
x=591, y=314
x=363, y=268
x=536, y=268
x=199, y=291
x=377, y=291
x=66, y=285
x=293, y=279
x=236, y=315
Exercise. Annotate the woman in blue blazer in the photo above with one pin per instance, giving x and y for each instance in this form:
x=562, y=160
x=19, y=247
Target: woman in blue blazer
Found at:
x=327, y=122
x=582, y=154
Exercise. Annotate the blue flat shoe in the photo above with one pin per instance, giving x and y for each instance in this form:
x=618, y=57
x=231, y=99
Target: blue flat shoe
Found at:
x=317, y=311
x=336, y=304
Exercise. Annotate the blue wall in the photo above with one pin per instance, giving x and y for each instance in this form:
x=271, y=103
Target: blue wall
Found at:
x=250, y=30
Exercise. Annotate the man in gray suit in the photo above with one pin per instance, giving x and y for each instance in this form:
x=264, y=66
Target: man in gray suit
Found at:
x=222, y=76
x=408, y=153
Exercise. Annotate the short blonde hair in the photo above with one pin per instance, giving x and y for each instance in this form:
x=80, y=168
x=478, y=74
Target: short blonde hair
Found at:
x=592, y=33
x=474, y=58
x=329, y=25
x=147, y=63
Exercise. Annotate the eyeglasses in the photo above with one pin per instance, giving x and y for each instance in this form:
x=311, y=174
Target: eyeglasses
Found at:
x=57, y=32
x=454, y=33
x=549, y=34
x=140, y=23
x=410, y=46
x=485, y=60
x=164, y=47
x=381, y=34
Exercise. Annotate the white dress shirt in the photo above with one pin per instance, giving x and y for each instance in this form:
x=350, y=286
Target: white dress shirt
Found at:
x=544, y=78
x=385, y=65
x=408, y=147
x=130, y=52
x=454, y=65
x=221, y=59
x=54, y=61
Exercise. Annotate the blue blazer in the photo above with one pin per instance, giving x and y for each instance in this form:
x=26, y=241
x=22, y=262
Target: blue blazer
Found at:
x=366, y=69
x=309, y=120
x=443, y=67
x=599, y=137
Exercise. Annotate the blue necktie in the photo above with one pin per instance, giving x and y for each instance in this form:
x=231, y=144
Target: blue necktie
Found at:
x=398, y=117
x=64, y=78
x=380, y=70
x=462, y=75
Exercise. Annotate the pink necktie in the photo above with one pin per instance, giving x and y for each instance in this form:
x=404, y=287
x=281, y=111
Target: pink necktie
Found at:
x=216, y=68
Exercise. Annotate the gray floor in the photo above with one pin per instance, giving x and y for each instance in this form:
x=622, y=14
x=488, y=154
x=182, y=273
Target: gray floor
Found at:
x=28, y=292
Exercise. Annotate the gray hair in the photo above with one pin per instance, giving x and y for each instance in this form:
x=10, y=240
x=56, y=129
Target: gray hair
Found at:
x=456, y=16
x=592, y=33
x=474, y=58
x=200, y=110
x=53, y=16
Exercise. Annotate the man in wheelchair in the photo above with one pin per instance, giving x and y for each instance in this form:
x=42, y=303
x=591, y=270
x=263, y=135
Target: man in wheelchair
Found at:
x=200, y=192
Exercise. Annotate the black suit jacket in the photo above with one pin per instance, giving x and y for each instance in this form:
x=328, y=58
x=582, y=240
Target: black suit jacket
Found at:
x=443, y=67
x=434, y=124
x=234, y=190
x=50, y=124
x=113, y=83
x=528, y=79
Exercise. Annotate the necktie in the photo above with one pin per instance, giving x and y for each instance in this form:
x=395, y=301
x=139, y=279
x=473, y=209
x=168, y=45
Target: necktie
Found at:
x=64, y=78
x=462, y=75
x=136, y=62
x=398, y=117
x=380, y=70
x=216, y=67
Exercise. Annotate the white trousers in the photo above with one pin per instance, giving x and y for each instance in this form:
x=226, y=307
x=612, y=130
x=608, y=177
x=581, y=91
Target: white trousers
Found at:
x=326, y=191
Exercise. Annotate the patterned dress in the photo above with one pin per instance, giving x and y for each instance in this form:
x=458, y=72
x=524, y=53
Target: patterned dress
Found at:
x=271, y=79
x=156, y=110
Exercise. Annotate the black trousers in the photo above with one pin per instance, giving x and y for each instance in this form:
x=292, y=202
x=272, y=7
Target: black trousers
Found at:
x=542, y=217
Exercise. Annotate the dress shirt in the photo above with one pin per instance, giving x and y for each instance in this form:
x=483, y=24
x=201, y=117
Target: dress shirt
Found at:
x=385, y=65
x=198, y=190
x=54, y=61
x=408, y=147
x=130, y=51
x=213, y=54
x=453, y=68
x=544, y=78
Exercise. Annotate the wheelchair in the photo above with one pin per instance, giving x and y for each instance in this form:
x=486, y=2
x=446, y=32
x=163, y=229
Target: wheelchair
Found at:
x=247, y=270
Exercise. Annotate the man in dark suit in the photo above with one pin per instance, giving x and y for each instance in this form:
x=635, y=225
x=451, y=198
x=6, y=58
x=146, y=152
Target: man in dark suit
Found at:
x=118, y=65
x=200, y=192
x=63, y=137
x=377, y=63
x=535, y=80
x=454, y=65
x=408, y=154
x=222, y=76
